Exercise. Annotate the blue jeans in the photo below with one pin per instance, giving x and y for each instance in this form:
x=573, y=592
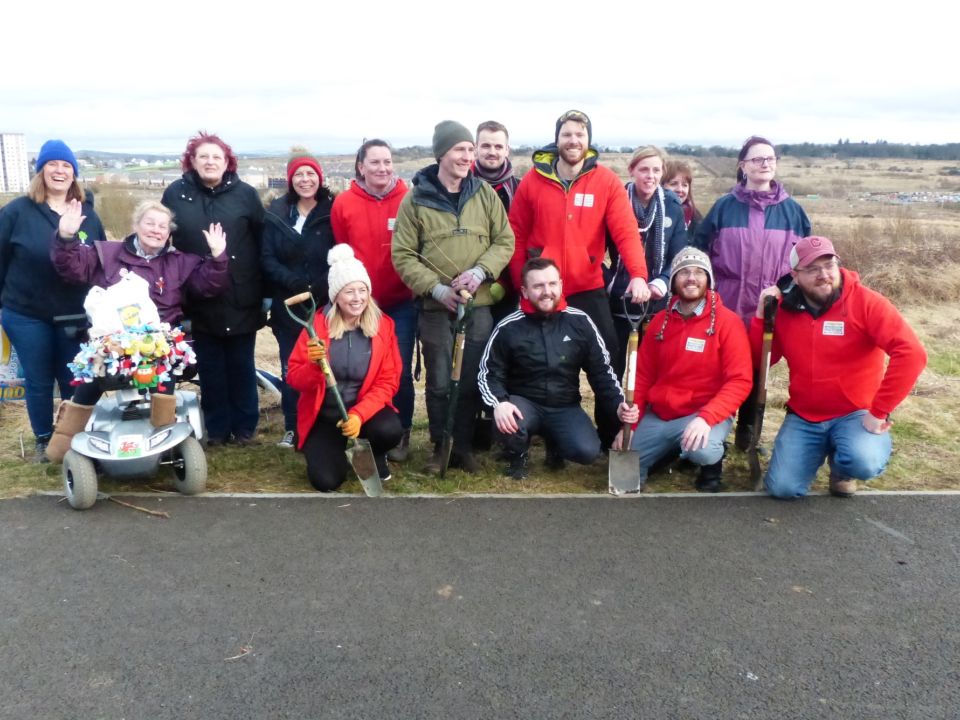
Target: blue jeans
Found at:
x=228, y=385
x=801, y=447
x=568, y=429
x=404, y=317
x=286, y=339
x=655, y=438
x=44, y=351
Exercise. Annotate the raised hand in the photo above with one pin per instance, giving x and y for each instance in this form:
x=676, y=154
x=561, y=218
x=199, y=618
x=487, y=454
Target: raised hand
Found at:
x=216, y=239
x=71, y=220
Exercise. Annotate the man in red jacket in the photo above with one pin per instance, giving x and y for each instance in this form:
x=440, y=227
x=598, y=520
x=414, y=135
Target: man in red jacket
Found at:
x=835, y=335
x=693, y=371
x=563, y=210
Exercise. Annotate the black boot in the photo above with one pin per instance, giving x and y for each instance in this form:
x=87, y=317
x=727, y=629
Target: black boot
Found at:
x=553, y=457
x=517, y=469
x=710, y=477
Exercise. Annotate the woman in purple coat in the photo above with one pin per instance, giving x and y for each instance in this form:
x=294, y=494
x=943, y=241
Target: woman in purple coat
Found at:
x=169, y=273
x=748, y=234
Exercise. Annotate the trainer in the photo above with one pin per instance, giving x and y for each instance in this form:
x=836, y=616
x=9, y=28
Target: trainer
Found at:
x=835, y=335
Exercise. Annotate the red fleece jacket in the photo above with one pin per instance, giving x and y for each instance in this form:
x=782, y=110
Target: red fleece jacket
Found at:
x=571, y=227
x=837, y=360
x=366, y=224
x=689, y=371
x=376, y=392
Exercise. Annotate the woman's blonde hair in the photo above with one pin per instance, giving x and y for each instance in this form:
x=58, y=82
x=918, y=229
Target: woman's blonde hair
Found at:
x=146, y=206
x=369, y=320
x=38, y=190
x=646, y=152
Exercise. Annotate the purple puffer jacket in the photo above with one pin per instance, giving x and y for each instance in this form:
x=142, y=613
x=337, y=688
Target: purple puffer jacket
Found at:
x=170, y=274
x=748, y=235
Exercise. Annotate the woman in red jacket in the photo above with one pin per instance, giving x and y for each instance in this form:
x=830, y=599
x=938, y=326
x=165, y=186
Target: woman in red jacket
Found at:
x=359, y=341
x=363, y=217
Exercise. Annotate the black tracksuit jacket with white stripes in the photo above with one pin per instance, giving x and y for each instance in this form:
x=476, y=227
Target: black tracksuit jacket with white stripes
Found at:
x=540, y=357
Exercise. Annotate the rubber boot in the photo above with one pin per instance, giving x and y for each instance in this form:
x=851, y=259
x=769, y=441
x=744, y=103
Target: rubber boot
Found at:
x=71, y=419
x=163, y=410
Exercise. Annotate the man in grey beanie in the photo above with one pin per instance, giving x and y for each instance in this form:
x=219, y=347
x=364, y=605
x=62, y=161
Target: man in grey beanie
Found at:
x=451, y=234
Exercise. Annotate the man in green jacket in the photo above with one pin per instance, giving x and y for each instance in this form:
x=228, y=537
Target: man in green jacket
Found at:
x=451, y=234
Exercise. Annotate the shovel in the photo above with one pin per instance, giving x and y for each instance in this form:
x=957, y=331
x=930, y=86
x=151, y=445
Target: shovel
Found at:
x=753, y=451
x=623, y=472
x=463, y=316
x=359, y=453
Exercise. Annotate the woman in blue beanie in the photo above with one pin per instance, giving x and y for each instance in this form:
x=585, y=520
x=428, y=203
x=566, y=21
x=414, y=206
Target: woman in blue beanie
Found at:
x=32, y=294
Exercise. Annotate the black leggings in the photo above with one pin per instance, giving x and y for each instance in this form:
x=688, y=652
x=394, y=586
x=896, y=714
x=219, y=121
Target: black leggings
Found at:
x=327, y=465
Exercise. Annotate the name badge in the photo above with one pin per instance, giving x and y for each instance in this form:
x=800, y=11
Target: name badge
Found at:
x=833, y=327
x=391, y=224
x=583, y=200
x=696, y=344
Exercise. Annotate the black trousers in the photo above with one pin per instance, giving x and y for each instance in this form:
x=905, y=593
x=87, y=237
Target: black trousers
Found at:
x=327, y=465
x=596, y=304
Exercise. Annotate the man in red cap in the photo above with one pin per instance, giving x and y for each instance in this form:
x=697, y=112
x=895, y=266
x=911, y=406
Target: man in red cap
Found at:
x=835, y=335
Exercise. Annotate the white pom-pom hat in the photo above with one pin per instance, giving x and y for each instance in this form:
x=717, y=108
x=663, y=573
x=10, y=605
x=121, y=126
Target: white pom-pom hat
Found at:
x=345, y=269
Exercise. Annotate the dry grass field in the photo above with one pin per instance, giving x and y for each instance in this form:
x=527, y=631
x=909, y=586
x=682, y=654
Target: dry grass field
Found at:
x=910, y=252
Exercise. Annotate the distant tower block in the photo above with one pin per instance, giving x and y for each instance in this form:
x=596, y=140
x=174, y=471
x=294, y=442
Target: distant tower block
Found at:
x=14, y=168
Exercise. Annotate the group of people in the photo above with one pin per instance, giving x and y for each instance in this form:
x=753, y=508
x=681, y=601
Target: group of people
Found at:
x=555, y=268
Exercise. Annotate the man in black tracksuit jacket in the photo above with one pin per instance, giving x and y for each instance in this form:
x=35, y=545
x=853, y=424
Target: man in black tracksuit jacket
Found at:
x=530, y=373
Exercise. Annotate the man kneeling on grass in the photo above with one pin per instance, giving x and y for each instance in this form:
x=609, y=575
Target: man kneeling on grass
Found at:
x=693, y=372
x=835, y=334
x=530, y=374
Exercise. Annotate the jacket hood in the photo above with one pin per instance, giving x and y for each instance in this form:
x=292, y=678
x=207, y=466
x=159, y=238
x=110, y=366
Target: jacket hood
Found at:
x=428, y=190
x=528, y=309
x=760, y=198
x=228, y=182
x=544, y=160
x=358, y=190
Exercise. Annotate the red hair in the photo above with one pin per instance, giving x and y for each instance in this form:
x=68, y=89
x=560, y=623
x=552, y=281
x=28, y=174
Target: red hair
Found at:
x=202, y=137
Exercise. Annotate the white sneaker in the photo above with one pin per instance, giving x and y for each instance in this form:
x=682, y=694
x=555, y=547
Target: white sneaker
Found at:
x=287, y=441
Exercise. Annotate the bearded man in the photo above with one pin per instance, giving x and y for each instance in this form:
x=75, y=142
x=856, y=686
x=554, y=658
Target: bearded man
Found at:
x=530, y=374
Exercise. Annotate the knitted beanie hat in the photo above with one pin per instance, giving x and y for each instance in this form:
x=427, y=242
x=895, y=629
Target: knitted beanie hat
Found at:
x=446, y=134
x=580, y=117
x=298, y=161
x=56, y=150
x=691, y=257
x=345, y=269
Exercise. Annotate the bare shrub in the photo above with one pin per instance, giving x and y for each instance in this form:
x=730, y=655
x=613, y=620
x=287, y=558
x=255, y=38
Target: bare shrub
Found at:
x=115, y=207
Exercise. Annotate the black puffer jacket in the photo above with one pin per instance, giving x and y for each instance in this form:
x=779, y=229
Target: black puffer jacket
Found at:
x=237, y=207
x=294, y=262
x=539, y=358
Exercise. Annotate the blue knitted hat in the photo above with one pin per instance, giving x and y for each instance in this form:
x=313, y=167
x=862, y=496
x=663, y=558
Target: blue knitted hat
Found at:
x=57, y=150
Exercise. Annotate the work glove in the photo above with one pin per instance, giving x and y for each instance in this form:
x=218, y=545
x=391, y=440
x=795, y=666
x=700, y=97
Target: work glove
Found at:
x=351, y=426
x=316, y=351
x=446, y=296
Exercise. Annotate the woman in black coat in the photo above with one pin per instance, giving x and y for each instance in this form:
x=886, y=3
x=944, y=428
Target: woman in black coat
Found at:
x=224, y=327
x=296, y=239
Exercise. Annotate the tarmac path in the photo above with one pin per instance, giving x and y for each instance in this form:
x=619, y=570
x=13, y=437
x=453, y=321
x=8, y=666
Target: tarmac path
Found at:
x=347, y=607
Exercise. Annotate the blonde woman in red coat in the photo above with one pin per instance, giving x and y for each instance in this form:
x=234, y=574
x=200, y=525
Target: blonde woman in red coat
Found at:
x=359, y=341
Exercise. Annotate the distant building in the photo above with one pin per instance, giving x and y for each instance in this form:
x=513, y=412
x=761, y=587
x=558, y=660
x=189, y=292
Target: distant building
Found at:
x=14, y=168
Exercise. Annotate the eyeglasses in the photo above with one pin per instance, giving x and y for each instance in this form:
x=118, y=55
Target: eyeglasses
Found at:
x=761, y=161
x=815, y=270
x=694, y=272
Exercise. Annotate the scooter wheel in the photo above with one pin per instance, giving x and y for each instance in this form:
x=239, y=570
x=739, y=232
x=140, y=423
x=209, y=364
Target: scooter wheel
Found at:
x=79, y=480
x=190, y=467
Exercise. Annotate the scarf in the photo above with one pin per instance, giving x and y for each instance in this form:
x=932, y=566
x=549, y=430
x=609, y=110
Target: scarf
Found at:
x=650, y=222
x=500, y=178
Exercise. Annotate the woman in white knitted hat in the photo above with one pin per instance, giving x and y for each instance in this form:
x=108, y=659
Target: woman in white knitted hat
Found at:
x=360, y=343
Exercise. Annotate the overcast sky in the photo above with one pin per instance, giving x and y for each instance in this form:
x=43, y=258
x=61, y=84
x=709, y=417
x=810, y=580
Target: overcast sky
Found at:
x=144, y=76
